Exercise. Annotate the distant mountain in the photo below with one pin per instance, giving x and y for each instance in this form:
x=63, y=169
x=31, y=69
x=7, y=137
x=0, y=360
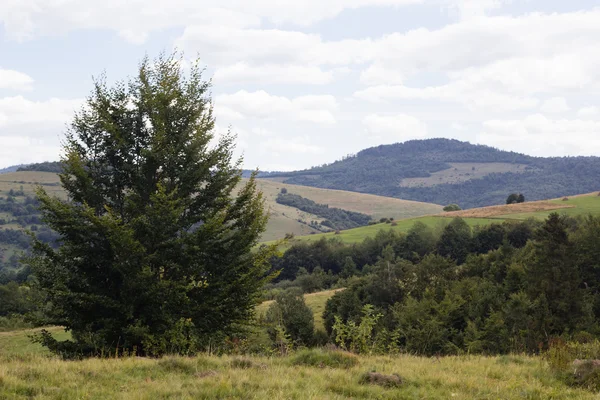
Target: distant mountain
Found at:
x=12, y=168
x=445, y=171
x=47, y=166
x=55, y=166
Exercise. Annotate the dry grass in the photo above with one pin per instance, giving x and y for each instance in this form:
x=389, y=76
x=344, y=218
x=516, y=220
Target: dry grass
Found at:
x=29, y=181
x=284, y=219
x=462, y=172
x=495, y=211
x=210, y=377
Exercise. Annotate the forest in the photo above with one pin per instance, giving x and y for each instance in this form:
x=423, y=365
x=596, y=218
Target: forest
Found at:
x=510, y=287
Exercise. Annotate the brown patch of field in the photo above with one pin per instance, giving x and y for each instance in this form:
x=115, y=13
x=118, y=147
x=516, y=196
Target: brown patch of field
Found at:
x=494, y=211
x=462, y=172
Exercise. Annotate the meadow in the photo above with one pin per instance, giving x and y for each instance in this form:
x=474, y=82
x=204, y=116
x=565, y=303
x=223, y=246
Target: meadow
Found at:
x=575, y=206
x=283, y=219
x=27, y=371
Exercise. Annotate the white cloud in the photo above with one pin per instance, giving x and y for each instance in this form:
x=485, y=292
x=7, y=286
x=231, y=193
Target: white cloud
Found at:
x=134, y=20
x=474, y=8
x=30, y=131
x=272, y=74
x=377, y=74
x=24, y=150
x=260, y=104
x=555, y=105
x=385, y=129
x=499, y=63
x=226, y=45
x=18, y=111
x=472, y=97
x=587, y=112
x=282, y=146
x=539, y=135
x=15, y=80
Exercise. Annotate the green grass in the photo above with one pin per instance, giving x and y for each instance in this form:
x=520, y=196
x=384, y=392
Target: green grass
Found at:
x=582, y=205
x=359, y=234
x=18, y=343
x=211, y=377
x=27, y=371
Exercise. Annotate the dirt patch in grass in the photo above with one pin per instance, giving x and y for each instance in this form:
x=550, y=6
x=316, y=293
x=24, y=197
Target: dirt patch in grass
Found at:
x=495, y=211
x=374, y=378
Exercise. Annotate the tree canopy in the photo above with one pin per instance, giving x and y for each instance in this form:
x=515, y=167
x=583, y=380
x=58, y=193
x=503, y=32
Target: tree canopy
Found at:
x=155, y=251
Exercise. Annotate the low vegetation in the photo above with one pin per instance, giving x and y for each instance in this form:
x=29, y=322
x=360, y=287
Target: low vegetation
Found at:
x=314, y=374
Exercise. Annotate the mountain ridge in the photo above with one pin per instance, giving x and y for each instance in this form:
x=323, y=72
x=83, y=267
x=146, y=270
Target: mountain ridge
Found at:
x=383, y=170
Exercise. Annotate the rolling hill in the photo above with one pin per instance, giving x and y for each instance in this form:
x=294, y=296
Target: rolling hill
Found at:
x=18, y=213
x=444, y=171
x=572, y=206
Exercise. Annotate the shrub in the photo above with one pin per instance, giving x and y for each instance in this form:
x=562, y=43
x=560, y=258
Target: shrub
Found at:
x=13, y=323
x=356, y=338
x=452, y=207
x=290, y=312
x=374, y=378
x=325, y=358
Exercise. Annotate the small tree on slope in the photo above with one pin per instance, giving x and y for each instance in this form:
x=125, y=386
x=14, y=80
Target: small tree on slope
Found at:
x=156, y=254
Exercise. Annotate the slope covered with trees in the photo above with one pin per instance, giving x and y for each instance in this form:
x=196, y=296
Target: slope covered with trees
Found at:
x=381, y=170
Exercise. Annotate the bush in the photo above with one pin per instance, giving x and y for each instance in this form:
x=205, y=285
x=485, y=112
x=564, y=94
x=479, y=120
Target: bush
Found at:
x=452, y=207
x=13, y=323
x=290, y=312
x=325, y=358
x=374, y=378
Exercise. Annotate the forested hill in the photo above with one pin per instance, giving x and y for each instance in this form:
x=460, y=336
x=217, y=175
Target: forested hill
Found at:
x=445, y=171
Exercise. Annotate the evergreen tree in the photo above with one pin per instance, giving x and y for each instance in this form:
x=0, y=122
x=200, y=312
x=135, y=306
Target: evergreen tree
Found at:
x=455, y=241
x=156, y=254
x=553, y=279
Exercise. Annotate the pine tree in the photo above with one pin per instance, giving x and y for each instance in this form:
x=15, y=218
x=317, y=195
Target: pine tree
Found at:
x=156, y=253
x=553, y=278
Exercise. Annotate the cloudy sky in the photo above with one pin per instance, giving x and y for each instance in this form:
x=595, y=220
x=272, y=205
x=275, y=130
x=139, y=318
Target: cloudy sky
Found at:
x=305, y=82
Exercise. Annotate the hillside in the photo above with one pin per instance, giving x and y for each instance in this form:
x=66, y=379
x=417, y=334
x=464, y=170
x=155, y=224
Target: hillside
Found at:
x=444, y=171
x=572, y=206
x=18, y=213
x=284, y=219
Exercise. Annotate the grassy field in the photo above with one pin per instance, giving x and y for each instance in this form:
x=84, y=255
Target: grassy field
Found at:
x=29, y=375
x=28, y=372
x=359, y=234
x=576, y=205
x=284, y=219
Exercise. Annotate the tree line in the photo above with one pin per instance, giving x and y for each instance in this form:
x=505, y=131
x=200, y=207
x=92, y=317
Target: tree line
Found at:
x=335, y=218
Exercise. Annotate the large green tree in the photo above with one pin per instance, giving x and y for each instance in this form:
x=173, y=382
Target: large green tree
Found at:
x=156, y=243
